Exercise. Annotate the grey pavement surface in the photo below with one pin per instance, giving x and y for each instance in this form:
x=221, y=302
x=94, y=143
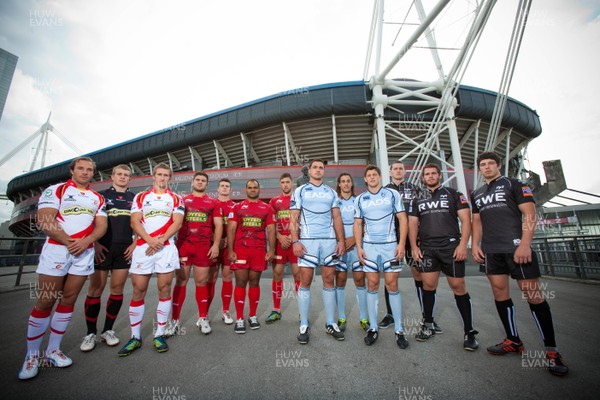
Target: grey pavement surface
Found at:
x=269, y=363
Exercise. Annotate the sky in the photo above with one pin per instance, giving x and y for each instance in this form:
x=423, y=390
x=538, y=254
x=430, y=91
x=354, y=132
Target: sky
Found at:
x=110, y=71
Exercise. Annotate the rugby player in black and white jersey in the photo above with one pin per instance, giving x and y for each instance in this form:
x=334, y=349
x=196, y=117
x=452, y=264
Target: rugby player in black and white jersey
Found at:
x=408, y=192
x=504, y=222
x=441, y=246
x=112, y=253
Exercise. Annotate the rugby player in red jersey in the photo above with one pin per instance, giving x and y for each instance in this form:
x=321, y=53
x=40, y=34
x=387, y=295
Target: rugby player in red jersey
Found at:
x=198, y=244
x=250, y=224
x=284, y=252
x=223, y=192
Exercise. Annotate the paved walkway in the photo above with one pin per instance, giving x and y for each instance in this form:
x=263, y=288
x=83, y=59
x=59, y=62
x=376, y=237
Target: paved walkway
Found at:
x=270, y=364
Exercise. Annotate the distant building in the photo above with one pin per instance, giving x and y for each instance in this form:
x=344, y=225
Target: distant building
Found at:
x=8, y=63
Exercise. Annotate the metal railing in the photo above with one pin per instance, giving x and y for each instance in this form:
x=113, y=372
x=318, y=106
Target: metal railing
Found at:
x=577, y=256
x=568, y=255
x=20, y=252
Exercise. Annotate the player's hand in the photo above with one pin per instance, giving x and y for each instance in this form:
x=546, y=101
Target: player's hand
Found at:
x=340, y=248
x=399, y=253
x=99, y=253
x=155, y=243
x=213, y=252
x=460, y=254
x=299, y=249
x=232, y=257
x=270, y=254
x=522, y=255
x=349, y=243
x=77, y=246
x=284, y=240
x=478, y=254
x=362, y=256
x=129, y=251
x=417, y=254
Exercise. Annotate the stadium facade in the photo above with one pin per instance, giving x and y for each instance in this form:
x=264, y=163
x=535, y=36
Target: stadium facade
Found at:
x=263, y=138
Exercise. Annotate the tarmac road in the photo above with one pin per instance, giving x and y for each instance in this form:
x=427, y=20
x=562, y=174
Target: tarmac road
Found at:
x=269, y=363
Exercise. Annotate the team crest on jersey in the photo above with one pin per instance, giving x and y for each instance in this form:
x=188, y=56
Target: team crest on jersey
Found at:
x=48, y=193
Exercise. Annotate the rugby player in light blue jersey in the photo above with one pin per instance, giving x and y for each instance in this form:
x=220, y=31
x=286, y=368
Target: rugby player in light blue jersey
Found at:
x=378, y=250
x=318, y=238
x=349, y=262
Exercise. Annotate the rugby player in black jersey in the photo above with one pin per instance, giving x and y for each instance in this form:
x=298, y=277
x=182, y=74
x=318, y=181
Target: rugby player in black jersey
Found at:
x=441, y=246
x=113, y=253
x=504, y=222
x=408, y=192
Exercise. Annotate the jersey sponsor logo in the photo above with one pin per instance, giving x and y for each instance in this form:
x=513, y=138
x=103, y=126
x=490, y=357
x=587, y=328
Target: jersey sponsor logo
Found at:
x=69, y=197
x=76, y=210
x=115, y=212
x=196, y=216
x=317, y=195
x=157, y=213
x=498, y=197
x=252, y=222
x=527, y=191
x=432, y=205
x=283, y=214
x=376, y=202
x=345, y=209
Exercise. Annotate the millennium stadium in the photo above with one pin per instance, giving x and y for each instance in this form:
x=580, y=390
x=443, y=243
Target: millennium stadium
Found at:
x=280, y=133
x=374, y=120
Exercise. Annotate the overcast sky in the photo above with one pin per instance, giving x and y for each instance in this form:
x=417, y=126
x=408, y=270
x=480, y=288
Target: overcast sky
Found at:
x=111, y=70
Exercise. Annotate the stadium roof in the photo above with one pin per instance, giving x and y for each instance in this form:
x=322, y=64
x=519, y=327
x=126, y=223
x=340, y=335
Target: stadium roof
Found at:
x=308, y=114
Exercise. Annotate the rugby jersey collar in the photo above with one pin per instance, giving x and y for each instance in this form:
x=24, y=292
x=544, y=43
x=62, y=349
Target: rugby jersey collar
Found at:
x=71, y=182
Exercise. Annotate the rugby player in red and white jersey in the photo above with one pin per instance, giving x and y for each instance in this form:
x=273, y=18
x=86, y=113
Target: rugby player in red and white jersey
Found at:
x=251, y=223
x=284, y=252
x=198, y=248
x=223, y=192
x=73, y=217
x=156, y=215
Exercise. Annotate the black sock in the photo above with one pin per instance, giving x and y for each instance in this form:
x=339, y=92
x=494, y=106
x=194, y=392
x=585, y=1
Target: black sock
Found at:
x=543, y=318
x=387, y=302
x=112, y=310
x=463, y=303
x=428, y=305
x=92, y=309
x=419, y=288
x=506, y=311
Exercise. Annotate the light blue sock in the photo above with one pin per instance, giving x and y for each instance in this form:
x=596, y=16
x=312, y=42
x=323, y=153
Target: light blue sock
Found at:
x=396, y=305
x=340, y=297
x=361, y=298
x=372, y=305
x=303, y=304
x=329, y=302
